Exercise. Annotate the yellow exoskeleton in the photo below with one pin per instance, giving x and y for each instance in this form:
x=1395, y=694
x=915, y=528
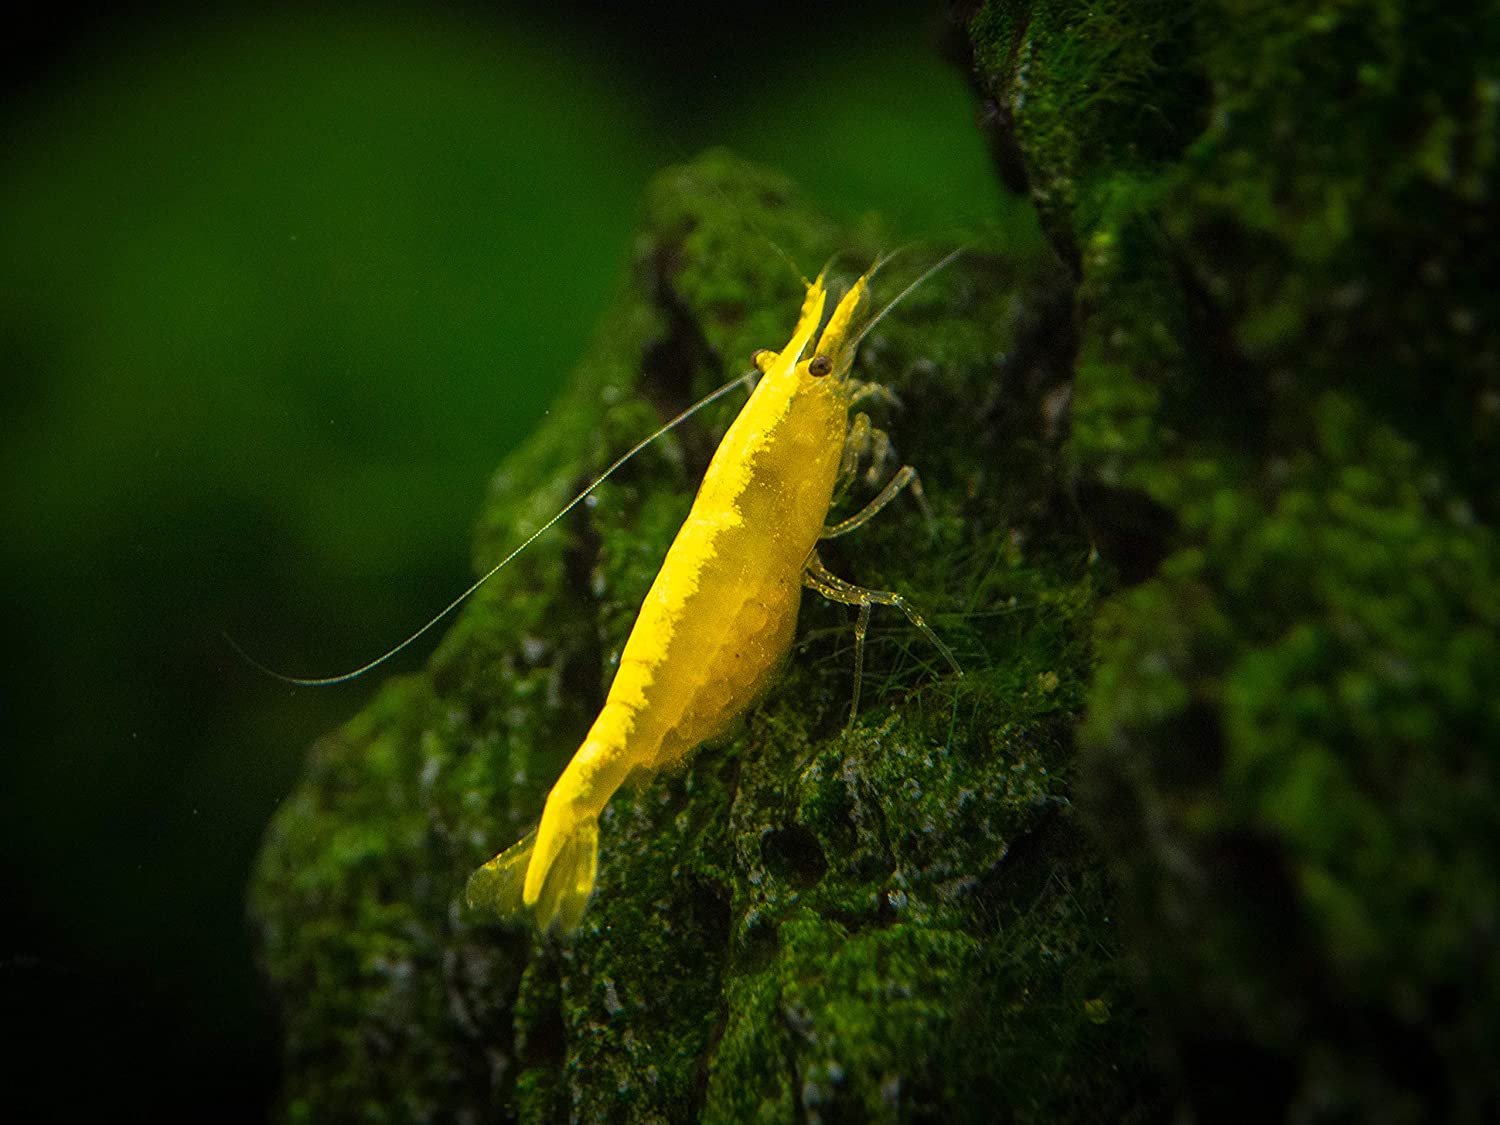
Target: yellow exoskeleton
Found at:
x=722, y=612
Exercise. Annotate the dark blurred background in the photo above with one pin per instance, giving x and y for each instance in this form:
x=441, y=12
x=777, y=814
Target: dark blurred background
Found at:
x=278, y=289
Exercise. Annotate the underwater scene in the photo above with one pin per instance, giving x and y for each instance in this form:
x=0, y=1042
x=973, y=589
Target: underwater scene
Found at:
x=869, y=562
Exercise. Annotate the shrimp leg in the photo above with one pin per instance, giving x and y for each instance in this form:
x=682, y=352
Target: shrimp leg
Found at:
x=906, y=475
x=856, y=443
x=865, y=440
x=818, y=577
x=861, y=391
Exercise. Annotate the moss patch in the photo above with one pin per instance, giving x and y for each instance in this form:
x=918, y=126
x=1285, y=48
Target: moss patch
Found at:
x=1286, y=416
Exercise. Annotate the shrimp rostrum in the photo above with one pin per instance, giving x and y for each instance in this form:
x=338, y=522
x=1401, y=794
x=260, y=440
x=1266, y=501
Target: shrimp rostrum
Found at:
x=722, y=611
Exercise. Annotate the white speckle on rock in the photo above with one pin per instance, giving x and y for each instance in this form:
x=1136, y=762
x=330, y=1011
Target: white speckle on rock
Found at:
x=612, y=1003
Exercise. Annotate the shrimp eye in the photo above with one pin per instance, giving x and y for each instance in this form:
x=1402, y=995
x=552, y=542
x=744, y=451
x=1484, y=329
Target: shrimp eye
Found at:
x=820, y=365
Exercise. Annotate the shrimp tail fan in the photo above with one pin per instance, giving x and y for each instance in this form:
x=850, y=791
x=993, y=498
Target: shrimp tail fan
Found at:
x=498, y=884
x=566, y=881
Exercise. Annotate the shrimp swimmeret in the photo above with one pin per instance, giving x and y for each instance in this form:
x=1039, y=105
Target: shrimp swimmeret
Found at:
x=722, y=611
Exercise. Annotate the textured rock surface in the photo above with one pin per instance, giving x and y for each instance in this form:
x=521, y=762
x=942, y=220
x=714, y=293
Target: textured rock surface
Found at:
x=1287, y=429
x=901, y=921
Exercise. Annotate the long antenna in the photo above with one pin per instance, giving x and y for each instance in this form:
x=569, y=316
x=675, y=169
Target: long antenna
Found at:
x=901, y=296
x=324, y=681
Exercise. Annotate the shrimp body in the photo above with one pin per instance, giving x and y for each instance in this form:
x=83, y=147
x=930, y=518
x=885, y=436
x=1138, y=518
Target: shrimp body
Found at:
x=719, y=617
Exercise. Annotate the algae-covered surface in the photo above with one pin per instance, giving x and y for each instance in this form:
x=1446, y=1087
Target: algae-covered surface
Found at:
x=1206, y=831
x=880, y=923
x=1286, y=427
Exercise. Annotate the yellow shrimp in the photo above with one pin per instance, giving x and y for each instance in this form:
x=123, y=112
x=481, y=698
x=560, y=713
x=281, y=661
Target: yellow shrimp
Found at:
x=722, y=612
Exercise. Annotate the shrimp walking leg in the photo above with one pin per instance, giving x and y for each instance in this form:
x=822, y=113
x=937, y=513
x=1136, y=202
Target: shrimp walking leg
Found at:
x=862, y=391
x=856, y=443
x=881, y=454
x=865, y=440
x=906, y=475
x=818, y=577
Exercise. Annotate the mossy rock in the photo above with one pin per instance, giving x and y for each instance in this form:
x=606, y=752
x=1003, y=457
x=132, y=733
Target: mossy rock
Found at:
x=1282, y=218
x=897, y=921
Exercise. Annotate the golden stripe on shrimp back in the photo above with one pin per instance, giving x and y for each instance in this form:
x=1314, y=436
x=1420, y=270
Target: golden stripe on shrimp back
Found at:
x=719, y=617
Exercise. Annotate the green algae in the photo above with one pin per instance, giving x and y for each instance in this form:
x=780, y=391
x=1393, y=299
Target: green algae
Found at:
x=1284, y=426
x=898, y=922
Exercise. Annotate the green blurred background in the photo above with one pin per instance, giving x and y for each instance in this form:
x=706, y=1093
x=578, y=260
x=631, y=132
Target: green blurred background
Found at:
x=278, y=290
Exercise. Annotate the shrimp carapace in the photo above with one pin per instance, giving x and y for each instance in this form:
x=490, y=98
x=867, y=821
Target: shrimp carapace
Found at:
x=722, y=611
